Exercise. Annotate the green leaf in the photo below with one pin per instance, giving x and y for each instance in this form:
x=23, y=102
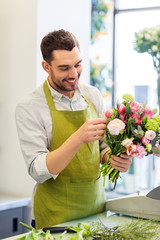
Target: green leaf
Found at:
x=132, y=129
x=86, y=226
x=128, y=109
x=134, y=122
x=76, y=229
x=21, y=238
x=30, y=236
x=129, y=122
x=144, y=120
x=139, y=128
x=155, y=150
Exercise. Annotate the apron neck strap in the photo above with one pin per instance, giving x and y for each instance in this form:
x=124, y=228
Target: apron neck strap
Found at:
x=48, y=96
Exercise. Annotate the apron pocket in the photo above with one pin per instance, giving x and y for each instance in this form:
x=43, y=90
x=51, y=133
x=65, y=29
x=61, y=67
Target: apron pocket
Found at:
x=85, y=199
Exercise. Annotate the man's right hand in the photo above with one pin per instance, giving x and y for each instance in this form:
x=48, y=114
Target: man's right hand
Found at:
x=92, y=130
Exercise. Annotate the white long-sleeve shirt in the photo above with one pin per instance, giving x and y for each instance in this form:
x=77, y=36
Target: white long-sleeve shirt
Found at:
x=34, y=125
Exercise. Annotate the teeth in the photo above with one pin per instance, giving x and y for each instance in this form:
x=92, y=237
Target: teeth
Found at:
x=71, y=81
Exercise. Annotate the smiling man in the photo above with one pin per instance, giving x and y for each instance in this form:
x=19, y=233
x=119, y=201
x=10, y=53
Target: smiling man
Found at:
x=64, y=70
x=60, y=136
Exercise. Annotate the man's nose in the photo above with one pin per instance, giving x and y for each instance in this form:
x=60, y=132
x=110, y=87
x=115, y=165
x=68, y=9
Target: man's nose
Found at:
x=73, y=73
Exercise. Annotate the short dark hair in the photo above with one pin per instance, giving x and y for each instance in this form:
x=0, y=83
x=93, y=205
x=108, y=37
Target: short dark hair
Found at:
x=57, y=40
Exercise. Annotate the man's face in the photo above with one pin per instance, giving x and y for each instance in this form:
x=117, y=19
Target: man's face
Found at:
x=65, y=70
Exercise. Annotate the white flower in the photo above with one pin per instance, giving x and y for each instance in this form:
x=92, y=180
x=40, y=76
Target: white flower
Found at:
x=154, y=48
x=147, y=36
x=141, y=35
x=127, y=142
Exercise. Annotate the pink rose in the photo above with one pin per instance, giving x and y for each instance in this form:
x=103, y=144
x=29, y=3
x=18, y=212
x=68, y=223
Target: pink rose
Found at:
x=115, y=126
x=148, y=113
x=145, y=140
x=121, y=109
x=109, y=113
x=122, y=117
x=140, y=151
x=134, y=107
x=150, y=135
x=137, y=118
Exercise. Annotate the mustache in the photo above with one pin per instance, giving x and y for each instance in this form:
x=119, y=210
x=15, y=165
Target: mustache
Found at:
x=66, y=79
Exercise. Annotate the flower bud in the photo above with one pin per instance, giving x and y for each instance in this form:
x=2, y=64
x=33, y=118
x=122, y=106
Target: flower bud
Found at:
x=109, y=113
x=121, y=109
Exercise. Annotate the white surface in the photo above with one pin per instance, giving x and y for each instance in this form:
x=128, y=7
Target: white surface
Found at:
x=135, y=205
x=71, y=15
x=17, y=78
x=24, y=22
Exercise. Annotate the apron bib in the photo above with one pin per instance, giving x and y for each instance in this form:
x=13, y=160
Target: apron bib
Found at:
x=77, y=192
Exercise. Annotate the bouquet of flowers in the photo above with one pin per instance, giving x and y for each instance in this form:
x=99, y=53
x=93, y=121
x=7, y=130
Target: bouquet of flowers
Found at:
x=133, y=128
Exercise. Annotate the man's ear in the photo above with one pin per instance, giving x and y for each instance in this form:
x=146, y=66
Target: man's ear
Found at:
x=46, y=66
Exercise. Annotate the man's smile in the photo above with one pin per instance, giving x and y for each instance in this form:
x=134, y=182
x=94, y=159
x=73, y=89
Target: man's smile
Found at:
x=71, y=81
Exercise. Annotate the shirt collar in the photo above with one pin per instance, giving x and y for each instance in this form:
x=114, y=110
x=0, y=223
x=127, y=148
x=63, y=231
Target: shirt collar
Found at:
x=56, y=95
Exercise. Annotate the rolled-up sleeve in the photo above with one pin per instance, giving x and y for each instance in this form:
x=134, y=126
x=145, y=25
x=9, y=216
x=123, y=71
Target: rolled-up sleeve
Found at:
x=103, y=149
x=33, y=141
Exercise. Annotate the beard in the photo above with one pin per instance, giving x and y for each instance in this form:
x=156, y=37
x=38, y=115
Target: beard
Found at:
x=59, y=85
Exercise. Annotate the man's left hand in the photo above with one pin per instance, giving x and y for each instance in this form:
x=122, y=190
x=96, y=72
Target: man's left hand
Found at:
x=121, y=163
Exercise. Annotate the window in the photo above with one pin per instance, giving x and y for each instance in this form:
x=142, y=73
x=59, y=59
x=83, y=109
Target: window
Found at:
x=134, y=73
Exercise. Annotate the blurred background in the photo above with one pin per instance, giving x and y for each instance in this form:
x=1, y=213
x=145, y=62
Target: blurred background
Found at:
x=116, y=59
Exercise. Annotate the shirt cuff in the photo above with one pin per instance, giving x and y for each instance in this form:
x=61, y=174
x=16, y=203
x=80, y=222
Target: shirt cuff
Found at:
x=41, y=168
x=103, y=152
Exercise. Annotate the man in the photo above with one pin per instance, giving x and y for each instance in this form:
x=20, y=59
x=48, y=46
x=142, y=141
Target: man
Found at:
x=60, y=132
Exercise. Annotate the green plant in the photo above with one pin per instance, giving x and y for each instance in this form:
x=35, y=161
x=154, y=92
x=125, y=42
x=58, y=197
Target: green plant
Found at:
x=99, y=13
x=98, y=79
x=148, y=40
x=98, y=69
x=139, y=229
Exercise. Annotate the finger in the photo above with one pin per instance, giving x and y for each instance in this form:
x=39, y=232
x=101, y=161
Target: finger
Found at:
x=120, y=164
x=100, y=126
x=99, y=129
x=123, y=155
x=120, y=159
x=120, y=167
x=99, y=121
x=100, y=132
x=96, y=137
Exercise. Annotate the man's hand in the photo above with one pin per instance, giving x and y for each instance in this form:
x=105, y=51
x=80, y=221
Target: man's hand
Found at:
x=92, y=130
x=121, y=163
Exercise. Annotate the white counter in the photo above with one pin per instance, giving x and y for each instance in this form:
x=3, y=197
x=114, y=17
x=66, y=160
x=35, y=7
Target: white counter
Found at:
x=9, y=202
x=107, y=218
x=12, y=211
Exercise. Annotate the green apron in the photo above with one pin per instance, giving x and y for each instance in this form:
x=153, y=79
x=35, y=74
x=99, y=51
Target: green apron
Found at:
x=77, y=192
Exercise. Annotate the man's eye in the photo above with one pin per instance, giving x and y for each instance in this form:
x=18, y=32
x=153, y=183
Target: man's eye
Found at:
x=77, y=65
x=64, y=69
